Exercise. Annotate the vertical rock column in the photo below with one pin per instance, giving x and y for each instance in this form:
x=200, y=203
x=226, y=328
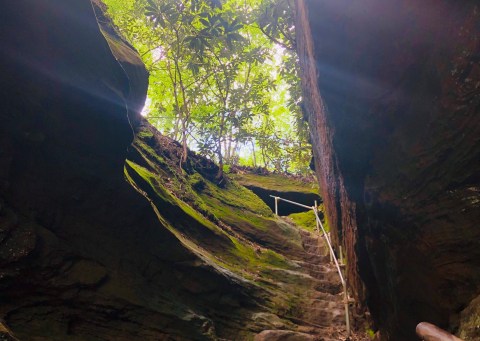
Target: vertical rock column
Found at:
x=392, y=90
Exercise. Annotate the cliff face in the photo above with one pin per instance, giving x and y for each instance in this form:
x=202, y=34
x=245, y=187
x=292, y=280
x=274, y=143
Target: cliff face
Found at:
x=393, y=95
x=82, y=254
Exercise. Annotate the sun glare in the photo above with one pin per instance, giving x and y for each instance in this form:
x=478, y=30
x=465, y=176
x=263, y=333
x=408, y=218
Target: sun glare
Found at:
x=146, y=108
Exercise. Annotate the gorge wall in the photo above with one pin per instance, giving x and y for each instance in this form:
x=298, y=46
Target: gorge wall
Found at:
x=105, y=234
x=83, y=255
x=392, y=89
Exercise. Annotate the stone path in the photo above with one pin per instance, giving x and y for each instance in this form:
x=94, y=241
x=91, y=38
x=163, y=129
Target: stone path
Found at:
x=323, y=313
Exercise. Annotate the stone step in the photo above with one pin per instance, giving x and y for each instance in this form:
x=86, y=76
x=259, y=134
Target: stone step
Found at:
x=328, y=286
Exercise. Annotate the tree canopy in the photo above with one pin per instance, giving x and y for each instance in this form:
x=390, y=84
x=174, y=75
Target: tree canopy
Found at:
x=223, y=77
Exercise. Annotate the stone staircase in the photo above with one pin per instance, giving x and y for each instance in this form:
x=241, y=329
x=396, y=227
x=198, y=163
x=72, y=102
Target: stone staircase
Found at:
x=323, y=313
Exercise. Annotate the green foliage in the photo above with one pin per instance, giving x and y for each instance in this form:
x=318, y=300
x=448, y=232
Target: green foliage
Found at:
x=224, y=77
x=276, y=21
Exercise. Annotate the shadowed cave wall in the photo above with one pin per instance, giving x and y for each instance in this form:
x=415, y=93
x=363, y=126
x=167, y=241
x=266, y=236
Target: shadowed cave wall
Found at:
x=392, y=89
x=82, y=254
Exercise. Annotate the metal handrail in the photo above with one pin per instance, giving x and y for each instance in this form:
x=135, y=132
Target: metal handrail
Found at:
x=430, y=332
x=344, y=283
x=332, y=254
x=426, y=331
x=291, y=202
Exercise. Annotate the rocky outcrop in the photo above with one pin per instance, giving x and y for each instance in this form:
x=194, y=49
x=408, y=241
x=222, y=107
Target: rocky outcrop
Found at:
x=82, y=254
x=393, y=95
x=287, y=187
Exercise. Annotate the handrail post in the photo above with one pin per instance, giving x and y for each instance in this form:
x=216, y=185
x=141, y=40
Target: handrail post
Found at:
x=331, y=253
x=276, y=206
x=347, y=311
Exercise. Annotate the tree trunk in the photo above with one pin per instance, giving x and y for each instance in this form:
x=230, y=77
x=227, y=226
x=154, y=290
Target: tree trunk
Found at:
x=264, y=157
x=226, y=150
x=184, y=140
x=253, y=153
x=176, y=129
x=219, y=147
x=185, y=115
x=220, y=160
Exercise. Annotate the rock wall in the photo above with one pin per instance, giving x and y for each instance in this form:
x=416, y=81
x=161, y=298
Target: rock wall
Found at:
x=393, y=95
x=82, y=254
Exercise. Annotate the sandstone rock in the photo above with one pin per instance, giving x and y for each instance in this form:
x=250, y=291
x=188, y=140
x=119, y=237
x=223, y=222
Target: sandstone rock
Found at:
x=392, y=91
x=283, y=335
x=82, y=254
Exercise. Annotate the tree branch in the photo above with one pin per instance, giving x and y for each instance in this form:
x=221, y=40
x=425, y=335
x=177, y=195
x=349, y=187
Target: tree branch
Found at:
x=276, y=41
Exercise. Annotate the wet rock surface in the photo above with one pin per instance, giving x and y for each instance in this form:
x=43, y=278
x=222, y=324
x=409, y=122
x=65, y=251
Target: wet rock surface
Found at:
x=393, y=95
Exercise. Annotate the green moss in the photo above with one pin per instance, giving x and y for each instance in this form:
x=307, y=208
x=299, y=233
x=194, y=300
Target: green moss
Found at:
x=197, y=182
x=239, y=257
x=258, y=258
x=171, y=178
x=145, y=134
x=305, y=220
x=226, y=169
x=236, y=196
x=229, y=227
x=247, y=221
x=370, y=333
x=235, y=216
x=273, y=258
x=276, y=182
x=148, y=152
x=149, y=177
x=166, y=196
x=294, y=306
x=325, y=223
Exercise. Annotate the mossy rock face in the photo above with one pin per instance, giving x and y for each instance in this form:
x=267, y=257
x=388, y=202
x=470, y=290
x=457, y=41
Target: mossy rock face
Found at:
x=91, y=259
x=179, y=191
x=197, y=182
x=293, y=189
x=305, y=220
x=229, y=226
x=308, y=221
x=277, y=182
x=469, y=321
